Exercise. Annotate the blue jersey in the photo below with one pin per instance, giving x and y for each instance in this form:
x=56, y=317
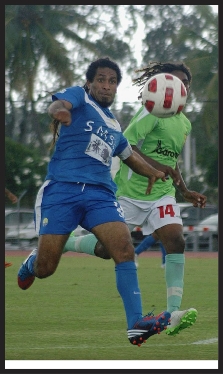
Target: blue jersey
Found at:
x=84, y=150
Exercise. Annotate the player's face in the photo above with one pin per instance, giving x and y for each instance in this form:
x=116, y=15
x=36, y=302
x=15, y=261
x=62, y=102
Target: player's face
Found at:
x=104, y=86
x=183, y=77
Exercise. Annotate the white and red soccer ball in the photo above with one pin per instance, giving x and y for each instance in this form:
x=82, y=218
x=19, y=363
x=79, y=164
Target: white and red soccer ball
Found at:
x=164, y=95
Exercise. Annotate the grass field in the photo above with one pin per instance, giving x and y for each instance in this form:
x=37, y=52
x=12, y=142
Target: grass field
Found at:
x=77, y=314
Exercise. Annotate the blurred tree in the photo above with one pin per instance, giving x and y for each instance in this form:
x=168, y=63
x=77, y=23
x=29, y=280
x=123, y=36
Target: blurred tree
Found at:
x=24, y=170
x=48, y=47
x=47, y=44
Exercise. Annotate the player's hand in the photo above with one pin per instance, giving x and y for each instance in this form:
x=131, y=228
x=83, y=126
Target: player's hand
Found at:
x=153, y=178
x=197, y=199
x=64, y=116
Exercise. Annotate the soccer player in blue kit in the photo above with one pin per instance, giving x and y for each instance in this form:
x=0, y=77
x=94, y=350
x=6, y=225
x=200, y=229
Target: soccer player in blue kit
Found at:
x=79, y=190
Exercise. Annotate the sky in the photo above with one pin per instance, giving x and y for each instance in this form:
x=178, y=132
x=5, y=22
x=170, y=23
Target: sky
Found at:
x=126, y=92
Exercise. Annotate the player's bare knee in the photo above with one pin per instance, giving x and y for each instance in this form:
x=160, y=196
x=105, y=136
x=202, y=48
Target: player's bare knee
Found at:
x=124, y=253
x=175, y=245
x=101, y=251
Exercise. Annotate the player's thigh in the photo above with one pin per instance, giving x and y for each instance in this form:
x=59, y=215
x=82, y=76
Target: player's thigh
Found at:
x=171, y=235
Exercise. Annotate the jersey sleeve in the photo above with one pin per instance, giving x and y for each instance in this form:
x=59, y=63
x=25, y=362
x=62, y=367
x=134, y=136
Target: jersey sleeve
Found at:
x=140, y=126
x=74, y=95
x=123, y=149
x=127, y=152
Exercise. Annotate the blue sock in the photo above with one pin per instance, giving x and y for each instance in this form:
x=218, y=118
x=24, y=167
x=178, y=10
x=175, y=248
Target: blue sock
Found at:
x=127, y=286
x=163, y=253
x=145, y=244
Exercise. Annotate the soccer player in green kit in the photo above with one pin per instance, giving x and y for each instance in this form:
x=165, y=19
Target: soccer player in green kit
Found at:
x=160, y=141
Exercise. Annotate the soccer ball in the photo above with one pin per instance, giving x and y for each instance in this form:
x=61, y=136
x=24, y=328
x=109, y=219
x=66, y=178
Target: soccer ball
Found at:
x=164, y=95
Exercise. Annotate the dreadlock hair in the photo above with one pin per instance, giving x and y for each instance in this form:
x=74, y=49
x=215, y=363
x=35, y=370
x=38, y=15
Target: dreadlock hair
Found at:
x=53, y=126
x=54, y=129
x=104, y=62
x=155, y=67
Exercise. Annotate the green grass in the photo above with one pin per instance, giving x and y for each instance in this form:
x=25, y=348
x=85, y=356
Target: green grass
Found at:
x=77, y=314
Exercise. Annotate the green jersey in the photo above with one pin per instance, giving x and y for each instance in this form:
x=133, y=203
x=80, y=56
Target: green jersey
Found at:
x=162, y=139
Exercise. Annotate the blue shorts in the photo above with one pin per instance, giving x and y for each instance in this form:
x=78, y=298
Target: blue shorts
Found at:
x=60, y=207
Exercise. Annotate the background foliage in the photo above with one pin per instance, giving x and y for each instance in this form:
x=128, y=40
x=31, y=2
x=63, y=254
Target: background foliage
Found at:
x=48, y=47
